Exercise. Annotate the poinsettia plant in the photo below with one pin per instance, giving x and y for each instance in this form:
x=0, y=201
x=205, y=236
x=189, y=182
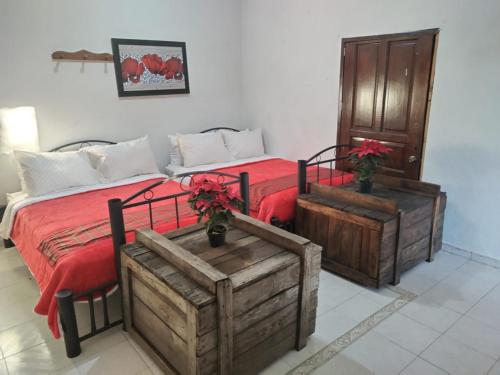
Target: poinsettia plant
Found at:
x=367, y=158
x=215, y=201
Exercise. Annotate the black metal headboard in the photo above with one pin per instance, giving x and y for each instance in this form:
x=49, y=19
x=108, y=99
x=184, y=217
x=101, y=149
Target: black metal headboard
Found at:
x=80, y=144
x=219, y=128
x=338, y=153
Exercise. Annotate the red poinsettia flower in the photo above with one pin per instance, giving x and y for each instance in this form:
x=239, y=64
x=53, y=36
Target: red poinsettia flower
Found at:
x=173, y=68
x=131, y=70
x=154, y=63
x=213, y=200
x=367, y=158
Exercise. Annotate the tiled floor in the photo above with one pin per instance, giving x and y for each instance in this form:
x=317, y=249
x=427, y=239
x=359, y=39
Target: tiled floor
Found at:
x=452, y=327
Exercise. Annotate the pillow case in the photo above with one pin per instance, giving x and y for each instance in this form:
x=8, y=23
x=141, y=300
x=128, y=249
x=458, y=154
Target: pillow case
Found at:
x=123, y=160
x=204, y=148
x=175, y=152
x=49, y=172
x=244, y=144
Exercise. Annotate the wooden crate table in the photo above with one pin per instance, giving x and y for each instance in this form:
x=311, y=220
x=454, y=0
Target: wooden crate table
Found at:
x=227, y=310
x=372, y=238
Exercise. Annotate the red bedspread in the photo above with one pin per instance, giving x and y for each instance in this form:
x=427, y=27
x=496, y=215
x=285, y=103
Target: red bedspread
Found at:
x=87, y=266
x=280, y=204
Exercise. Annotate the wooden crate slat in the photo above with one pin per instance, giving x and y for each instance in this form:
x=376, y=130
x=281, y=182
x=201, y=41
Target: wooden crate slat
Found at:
x=171, y=346
x=207, y=342
x=193, y=266
x=133, y=268
x=265, y=328
x=225, y=315
x=265, y=309
x=258, y=357
x=260, y=270
x=260, y=291
x=271, y=233
x=246, y=256
x=364, y=200
x=223, y=253
x=170, y=315
x=207, y=363
x=410, y=185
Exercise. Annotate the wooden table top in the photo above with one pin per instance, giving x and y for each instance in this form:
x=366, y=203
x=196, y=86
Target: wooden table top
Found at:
x=405, y=200
x=245, y=258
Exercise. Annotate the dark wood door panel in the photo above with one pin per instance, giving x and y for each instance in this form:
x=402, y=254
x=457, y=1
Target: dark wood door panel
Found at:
x=399, y=86
x=389, y=137
x=365, y=85
x=385, y=86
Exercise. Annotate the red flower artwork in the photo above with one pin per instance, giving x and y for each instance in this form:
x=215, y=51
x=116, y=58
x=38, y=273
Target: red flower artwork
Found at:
x=174, y=68
x=154, y=63
x=132, y=70
x=171, y=68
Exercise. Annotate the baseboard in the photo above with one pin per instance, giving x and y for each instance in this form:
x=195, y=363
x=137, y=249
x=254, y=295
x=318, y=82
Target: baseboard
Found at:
x=489, y=261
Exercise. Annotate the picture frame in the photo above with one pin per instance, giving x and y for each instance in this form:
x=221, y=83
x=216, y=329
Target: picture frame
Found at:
x=150, y=67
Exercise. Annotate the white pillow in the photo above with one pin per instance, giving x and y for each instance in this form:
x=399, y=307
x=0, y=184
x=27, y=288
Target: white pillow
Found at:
x=200, y=149
x=123, y=160
x=175, y=151
x=244, y=144
x=49, y=172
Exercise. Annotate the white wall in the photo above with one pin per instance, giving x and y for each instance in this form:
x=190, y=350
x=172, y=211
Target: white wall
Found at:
x=72, y=105
x=291, y=65
x=280, y=58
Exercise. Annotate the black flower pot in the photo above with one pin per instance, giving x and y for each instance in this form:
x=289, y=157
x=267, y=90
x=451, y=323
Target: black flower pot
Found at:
x=217, y=236
x=365, y=186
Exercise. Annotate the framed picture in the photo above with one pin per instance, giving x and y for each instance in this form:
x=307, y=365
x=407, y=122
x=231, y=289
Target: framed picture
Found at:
x=150, y=67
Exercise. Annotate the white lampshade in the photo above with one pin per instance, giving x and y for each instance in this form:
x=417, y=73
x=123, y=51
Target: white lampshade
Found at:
x=18, y=129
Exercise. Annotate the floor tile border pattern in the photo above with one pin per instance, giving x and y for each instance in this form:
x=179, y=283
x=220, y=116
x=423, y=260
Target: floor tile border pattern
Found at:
x=331, y=350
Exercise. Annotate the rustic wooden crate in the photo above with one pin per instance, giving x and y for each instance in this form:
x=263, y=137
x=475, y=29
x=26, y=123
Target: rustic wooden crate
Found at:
x=232, y=309
x=372, y=238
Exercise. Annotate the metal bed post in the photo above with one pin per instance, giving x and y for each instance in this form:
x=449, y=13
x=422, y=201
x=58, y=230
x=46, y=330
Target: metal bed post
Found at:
x=68, y=322
x=118, y=234
x=245, y=192
x=302, y=173
x=117, y=231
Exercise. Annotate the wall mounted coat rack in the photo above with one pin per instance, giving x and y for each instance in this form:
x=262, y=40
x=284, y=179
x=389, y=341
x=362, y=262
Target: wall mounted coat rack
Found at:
x=82, y=55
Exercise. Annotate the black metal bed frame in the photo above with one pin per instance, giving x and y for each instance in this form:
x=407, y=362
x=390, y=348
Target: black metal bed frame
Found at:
x=316, y=161
x=219, y=128
x=66, y=298
x=81, y=144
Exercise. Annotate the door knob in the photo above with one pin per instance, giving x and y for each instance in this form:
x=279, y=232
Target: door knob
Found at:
x=412, y=159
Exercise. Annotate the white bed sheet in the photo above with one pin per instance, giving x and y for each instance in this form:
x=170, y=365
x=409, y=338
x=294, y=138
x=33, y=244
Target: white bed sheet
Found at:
x=18, y=200
x=173, y=170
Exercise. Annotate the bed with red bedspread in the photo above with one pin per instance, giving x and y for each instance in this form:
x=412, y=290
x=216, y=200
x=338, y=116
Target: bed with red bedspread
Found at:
x=66, y=242
x=273, y=186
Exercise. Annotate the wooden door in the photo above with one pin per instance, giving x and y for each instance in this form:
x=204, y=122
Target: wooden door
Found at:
x=385, y=95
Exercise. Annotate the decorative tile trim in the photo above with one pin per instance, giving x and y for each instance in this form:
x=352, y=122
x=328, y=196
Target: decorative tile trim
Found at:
x=331, y=350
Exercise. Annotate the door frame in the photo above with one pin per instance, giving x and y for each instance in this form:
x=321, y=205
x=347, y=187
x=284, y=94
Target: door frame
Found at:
x=410, y=34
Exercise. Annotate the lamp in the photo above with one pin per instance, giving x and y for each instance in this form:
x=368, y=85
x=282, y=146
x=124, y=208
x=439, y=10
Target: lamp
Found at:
x=18, y=129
